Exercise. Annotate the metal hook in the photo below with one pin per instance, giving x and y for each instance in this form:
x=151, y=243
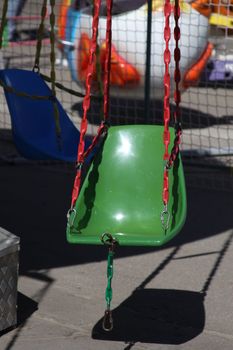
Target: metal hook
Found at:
x=36, y=68
x=71, y=217
x=108, y=240
x=165, y=218
x=107, y=323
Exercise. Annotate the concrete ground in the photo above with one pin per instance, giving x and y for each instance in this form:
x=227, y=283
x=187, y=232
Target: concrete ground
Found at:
x=176, y=297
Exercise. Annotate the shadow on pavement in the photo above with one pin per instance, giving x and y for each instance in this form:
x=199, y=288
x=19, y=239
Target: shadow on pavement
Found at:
x=131, y=111
x=163, y=316
x=35, y=199
x=156, y=315
x=25, y=308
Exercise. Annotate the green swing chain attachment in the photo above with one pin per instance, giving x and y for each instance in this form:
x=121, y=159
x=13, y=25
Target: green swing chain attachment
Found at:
x=109, y=241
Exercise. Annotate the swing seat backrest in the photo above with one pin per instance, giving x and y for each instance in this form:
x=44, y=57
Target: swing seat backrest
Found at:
x=122, y=191
x=33, y=125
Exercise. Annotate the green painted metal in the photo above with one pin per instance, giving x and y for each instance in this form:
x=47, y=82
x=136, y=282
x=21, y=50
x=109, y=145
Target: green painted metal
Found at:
x=122, y=191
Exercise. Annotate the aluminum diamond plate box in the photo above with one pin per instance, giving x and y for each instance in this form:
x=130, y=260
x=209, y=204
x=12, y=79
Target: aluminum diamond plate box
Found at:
x=9, y=263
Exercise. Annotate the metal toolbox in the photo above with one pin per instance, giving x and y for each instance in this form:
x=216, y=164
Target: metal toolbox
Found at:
x=9, y=264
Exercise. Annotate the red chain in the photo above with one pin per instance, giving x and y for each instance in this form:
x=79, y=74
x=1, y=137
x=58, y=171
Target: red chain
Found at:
x=166, y=102
x=107, y=66
x=86, y=102
x=82, y=154
x=177, y=77
x=177, y=59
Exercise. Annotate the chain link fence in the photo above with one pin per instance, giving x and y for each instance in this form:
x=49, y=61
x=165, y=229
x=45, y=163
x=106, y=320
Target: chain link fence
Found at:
x=206, y=109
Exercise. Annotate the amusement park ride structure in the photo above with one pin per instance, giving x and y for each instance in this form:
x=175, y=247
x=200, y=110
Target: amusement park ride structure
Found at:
x=129, y=56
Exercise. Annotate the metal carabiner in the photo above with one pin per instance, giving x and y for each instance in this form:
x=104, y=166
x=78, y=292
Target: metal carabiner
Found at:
x=108, y=240
x=107, y=323
x=165, y=218
x=36, y=68
x=70, y=217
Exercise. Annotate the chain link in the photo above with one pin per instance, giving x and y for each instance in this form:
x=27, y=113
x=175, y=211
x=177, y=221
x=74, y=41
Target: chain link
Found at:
x=107, y=65
x=53, y=72
x=109, y=241
x=177, y=95
x=40, y=34
x=36, y=67
x=86, y=101
x=108, y=293
x=170, y=159
x=64, y=88
x=167, y=59
x=22, y=93
x=3, y=21
x=82, y=154
x=166, y=103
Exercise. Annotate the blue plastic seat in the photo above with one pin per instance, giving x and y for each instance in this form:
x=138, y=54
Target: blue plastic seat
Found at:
x=33, y=125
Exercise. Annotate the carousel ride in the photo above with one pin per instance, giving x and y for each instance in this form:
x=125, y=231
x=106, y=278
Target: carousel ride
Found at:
x=129, y=40
x=207, y=62
x=219, y=70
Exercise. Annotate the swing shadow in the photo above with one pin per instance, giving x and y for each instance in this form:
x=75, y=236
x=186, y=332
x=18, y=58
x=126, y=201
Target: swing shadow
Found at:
x=175, y=192
x=164, y=316
x=89, y=194
x=131, y=111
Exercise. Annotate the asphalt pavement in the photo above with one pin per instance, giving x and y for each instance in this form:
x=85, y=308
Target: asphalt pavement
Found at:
x=176, y=297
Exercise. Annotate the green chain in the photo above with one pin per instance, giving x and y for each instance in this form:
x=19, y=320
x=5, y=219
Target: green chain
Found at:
x=108, y=240
x=108, y=292
x=3, y=21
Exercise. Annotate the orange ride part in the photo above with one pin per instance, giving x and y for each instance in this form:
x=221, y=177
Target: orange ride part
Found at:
x=193, y=74
x=121, y=73
x=222, y=7
x=206, y=7
x=62, y=18
x=203, y=7
x=83, y=57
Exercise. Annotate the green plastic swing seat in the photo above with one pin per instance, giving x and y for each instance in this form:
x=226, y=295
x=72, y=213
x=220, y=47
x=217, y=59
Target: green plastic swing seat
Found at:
x=122, y=191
